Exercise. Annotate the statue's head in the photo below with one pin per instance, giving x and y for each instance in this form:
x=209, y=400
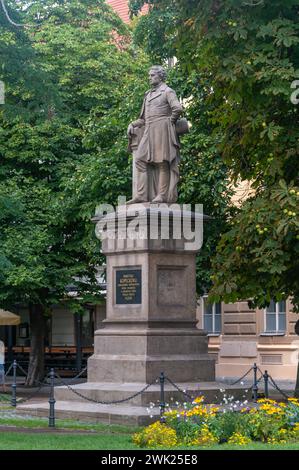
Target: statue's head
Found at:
x=157, y=74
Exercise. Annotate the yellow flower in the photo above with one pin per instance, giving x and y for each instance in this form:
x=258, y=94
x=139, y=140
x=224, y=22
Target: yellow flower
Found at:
x=239, y=439
x=205, y=437
x=267, y=400
x=295, y=401
x=244, y=410
x=199, y=399
x=156, y=435
x=171, y=413
x=295, y=431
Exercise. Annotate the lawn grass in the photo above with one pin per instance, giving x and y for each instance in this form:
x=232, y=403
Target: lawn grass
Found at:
x=22, y=441
x=52, y=441
x=97, y=436
x=67, y=424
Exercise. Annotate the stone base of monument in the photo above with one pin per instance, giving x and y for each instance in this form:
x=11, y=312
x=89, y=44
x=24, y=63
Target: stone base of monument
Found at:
x=151, y=319
x=139, y=411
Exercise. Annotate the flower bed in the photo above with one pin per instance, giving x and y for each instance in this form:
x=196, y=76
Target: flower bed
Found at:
x=204, y=425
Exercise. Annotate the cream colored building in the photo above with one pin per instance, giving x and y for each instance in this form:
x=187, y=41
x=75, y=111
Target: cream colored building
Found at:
x=238, y=337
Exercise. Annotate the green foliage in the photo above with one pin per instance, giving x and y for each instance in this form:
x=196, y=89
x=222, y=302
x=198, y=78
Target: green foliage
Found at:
x=269, y=421
x=224, y=425
x=203, y=174
x=186, y=431
x=155, y=34
x=248, y=53
x=62, y=144
x=260, y=250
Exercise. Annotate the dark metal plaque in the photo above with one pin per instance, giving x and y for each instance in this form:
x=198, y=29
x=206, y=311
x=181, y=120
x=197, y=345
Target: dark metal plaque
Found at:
x=128, y=286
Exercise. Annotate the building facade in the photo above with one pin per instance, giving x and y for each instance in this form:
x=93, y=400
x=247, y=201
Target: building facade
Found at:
x=239, y=337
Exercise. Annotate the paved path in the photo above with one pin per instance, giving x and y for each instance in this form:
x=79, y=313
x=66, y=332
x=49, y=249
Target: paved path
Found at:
x=38, y=430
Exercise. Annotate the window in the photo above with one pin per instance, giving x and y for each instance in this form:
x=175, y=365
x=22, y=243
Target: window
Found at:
x=212, y=317
x=24, y=330
x=275, y=317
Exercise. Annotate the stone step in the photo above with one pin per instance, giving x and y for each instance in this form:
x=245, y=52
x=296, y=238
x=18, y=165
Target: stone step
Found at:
x=107, y=392
x=126, y=415
x=137, y=411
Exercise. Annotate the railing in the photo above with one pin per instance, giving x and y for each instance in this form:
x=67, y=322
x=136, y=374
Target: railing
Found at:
x=49, y=382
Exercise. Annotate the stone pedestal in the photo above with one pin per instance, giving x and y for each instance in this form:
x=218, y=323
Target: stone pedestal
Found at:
x=150, y=326
x=151, y=304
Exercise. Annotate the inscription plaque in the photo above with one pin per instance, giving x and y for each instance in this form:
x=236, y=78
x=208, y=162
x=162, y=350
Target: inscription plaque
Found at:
x=128, y=286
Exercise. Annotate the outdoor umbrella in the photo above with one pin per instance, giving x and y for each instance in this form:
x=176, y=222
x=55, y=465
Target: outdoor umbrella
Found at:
x=8, y=318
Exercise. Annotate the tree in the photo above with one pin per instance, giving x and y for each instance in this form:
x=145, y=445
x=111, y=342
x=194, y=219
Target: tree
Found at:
x=54, y=165
x=249, y=52
x=204, y=175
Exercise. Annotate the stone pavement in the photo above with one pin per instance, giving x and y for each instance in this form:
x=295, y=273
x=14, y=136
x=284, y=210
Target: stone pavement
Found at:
x=140, y=410
x=70, y=406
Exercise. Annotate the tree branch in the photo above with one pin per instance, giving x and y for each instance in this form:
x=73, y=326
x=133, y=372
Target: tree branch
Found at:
x=18, y=25
x=253, y=4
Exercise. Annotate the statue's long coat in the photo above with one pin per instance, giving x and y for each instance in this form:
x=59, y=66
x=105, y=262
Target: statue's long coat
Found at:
x=160, y=109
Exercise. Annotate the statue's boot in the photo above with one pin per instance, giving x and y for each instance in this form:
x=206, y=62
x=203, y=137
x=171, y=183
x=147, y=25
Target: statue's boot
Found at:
x=141, y=183
x=164, y=178
x=136, y=200
x=158, y=199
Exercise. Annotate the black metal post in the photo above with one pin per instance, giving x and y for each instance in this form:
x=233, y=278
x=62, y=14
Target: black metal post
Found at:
x=162, y=397
x=266, y=382
x=52, y=400
x=14, y=385
x=78, y=319
x=255, y=387
x=9, y=344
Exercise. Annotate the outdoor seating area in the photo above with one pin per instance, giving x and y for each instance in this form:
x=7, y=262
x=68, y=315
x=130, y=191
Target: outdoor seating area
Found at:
x=63, y=359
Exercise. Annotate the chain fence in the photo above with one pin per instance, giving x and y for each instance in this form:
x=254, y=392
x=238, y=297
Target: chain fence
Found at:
x=35, y=393
x=275, y=386
x=183, y=392
x=241, y=378
x=52, y=377
x=100, y=402
x=8, y=370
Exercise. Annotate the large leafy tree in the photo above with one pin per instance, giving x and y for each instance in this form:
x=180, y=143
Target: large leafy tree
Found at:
x=249, y=51
x=60, y=151
x=204, y=175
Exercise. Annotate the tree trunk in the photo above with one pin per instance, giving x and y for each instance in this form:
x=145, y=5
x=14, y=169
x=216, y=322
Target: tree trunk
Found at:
x=37, y=350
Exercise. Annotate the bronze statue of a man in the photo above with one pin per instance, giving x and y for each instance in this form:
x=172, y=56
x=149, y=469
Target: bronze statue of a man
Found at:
x=156, y=155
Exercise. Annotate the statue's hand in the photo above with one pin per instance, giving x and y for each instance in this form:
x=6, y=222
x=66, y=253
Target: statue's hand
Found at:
x=130, y=130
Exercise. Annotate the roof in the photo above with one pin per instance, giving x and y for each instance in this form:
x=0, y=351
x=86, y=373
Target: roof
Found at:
x=122, y=8
x=8, y=318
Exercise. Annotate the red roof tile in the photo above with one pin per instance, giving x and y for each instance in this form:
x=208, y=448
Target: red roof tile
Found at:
x=121, y=7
